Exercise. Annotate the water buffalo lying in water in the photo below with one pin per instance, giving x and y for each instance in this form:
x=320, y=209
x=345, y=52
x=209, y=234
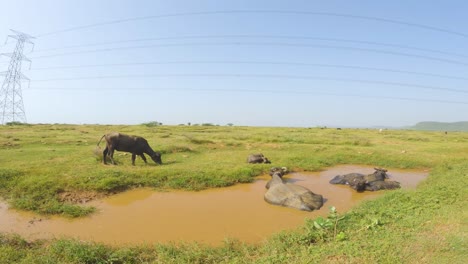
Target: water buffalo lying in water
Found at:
x=257, y=158
x=382, y=185
x=371, y=182
x=133, y=144
x=290, y=195
x=354, y=180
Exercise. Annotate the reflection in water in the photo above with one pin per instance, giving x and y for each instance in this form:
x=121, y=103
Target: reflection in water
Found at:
x=210, y=216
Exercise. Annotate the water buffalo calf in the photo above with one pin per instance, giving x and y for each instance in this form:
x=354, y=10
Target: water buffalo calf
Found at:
x=133, y=144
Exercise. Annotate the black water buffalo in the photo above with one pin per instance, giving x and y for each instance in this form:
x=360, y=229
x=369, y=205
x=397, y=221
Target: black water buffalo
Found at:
x=133, y=144
x=371, y=182
x=257, y=158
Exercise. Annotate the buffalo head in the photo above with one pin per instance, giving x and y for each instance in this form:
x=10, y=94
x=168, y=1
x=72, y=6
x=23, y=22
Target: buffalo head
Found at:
x=156, y=157
x=279, y=171
x=380, y=174
x=358, y=184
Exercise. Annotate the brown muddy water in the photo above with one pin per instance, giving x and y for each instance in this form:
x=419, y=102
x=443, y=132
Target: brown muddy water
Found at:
x=236, y=212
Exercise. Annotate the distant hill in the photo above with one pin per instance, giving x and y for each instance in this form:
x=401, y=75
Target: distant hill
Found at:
x=441, y=126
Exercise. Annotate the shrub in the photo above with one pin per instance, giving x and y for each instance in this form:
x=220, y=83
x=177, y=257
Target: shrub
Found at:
x=152, y=124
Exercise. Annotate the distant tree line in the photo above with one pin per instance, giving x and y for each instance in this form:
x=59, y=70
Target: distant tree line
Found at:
x=156, y=123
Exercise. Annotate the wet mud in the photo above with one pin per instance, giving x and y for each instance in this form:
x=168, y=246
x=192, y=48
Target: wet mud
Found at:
x=237, y=212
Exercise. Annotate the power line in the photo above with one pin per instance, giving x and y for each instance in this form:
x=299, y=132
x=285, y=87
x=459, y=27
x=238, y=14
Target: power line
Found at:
x=259, y=91
x=300, y=64
x=282, y=12
x=259, y=37
x=261, y=44
x=259, y=76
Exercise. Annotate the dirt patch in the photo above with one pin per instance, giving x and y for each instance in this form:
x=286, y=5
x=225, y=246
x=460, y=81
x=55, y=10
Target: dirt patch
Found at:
x=80, y=196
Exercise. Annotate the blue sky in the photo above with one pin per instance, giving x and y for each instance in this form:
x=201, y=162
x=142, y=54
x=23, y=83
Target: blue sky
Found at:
x=255, y=63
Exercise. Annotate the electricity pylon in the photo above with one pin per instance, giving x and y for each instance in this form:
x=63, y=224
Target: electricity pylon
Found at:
x=11, y=98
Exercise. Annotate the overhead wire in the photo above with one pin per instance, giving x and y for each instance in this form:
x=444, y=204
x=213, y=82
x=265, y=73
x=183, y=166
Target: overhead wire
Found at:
x=289, y=92
x=257, y=37
x=383, y=20
x=283, y=12
x=259, y=76
x=259, y=44
x=274, y=63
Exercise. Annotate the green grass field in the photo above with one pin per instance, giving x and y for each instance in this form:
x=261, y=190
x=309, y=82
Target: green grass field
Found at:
x=42, y=165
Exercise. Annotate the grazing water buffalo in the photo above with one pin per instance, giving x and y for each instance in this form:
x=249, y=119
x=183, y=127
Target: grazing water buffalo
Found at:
x=257, y=158
x=133, y=144
x=290, y=195
x=371, y=182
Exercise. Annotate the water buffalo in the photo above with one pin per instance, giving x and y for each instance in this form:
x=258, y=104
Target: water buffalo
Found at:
x=354, y=180
x=133, y=144
x=371, y=182
x=257, y=158
x=290, y=195
x=382, y=185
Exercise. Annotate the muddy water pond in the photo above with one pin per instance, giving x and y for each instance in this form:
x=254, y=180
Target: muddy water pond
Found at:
x=238, y=212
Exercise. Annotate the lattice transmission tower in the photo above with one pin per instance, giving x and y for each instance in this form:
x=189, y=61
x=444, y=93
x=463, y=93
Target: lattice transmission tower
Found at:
x=11, y=97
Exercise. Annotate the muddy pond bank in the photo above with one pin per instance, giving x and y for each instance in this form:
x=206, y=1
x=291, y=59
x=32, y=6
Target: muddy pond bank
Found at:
x=210, y=216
